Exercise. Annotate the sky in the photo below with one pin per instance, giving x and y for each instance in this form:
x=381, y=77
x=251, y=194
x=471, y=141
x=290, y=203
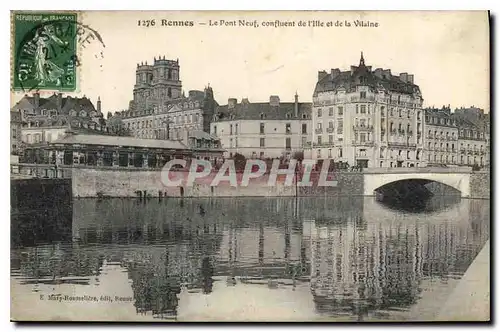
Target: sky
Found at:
x=448, y=53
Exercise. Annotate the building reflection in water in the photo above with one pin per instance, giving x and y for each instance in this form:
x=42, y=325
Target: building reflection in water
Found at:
x=359, y=258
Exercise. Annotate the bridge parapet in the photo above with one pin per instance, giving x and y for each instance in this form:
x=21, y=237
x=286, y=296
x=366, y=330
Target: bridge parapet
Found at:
x=413, y=170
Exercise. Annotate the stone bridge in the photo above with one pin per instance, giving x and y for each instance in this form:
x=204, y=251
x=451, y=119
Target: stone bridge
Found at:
x=455, y=177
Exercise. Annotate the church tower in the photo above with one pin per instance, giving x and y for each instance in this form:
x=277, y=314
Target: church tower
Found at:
x=166, y=83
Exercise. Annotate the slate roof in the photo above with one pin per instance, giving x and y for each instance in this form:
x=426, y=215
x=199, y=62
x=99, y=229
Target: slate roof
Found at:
x=253, y=111
x=200, y=134
x=120, y=141
x=68, y=103
x=363, y=75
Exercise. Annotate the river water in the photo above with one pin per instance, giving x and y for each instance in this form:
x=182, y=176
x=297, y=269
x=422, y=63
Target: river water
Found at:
x=281, y=259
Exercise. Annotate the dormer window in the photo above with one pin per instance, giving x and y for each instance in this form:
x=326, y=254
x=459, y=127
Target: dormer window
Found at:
x=362, y=94
x=261, y=116
x=303, y=116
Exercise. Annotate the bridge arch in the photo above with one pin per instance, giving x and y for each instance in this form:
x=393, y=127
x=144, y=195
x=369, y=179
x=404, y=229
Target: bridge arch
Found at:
x=459, y=181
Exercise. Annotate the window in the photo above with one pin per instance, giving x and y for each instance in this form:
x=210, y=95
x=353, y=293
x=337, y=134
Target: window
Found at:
x=320, y=113
x=357, y=108
x=262, y=142
x=330, y=111
x=362, y=94
x=340, y=110
x=37, y=138
x=329, y=153
x=230, y=142
x=215, y=130
x=236, y=142
x=288, y=143
x=319, y=154
x=262, y=128
x=340, y=152
x=29, y=139
x=362, y=137
x=319, y=139
x=288, y=128
x=363, y=109
x=340, y=127
x=330, y=124
x=319, y=125
x=304, y=140
x=13, y=132
x=330, y=139
x=304, y=128
x=236, y=129
x=399, y=112
x=230, y=129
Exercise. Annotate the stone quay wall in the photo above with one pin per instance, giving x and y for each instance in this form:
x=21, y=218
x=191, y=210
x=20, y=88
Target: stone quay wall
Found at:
x=112, y=182
x=138, y=183
x=480, y=184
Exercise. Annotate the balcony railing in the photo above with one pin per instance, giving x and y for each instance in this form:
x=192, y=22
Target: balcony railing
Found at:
x=365, y=143
x=401, y=144
x=330, y=130
x=363, y=128
x=318, y=130
x=367, y=98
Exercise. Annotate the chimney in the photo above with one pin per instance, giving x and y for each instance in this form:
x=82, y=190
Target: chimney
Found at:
x=387, y=73
x=59, y=101
x=321, y=74
x=378, y=72
x=274, y=100
x=231, y=103
x=403, y=77
x=334, y=73
x=410, y=78
x=296, y=105
x=99, y=104
x=36, y=99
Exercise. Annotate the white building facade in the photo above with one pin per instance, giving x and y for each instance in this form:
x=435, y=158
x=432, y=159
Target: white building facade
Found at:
x=263, y=130
x=367, y=118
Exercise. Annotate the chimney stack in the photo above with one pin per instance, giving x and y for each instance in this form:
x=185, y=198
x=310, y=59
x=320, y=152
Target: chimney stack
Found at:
x=99, y=104
x=59, y=101
x=274, y=100
x=36, y=99
x=403, y=77
x=321, y=74
x=410, y=78
x=334, y=73
x=231, y=103
x=296, y=105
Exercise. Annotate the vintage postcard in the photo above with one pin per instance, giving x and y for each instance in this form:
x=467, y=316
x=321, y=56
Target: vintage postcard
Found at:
x=305, y=166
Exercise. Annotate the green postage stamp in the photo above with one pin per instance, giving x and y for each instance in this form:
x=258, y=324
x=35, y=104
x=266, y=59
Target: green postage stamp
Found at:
x=45, y=51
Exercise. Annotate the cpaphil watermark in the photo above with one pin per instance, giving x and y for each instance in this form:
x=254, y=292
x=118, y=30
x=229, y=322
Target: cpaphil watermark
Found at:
x=177, y=173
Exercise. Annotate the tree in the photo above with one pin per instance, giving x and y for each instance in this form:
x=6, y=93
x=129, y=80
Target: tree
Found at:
x=239, y=161
x=299, y=156
x=117, y=127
